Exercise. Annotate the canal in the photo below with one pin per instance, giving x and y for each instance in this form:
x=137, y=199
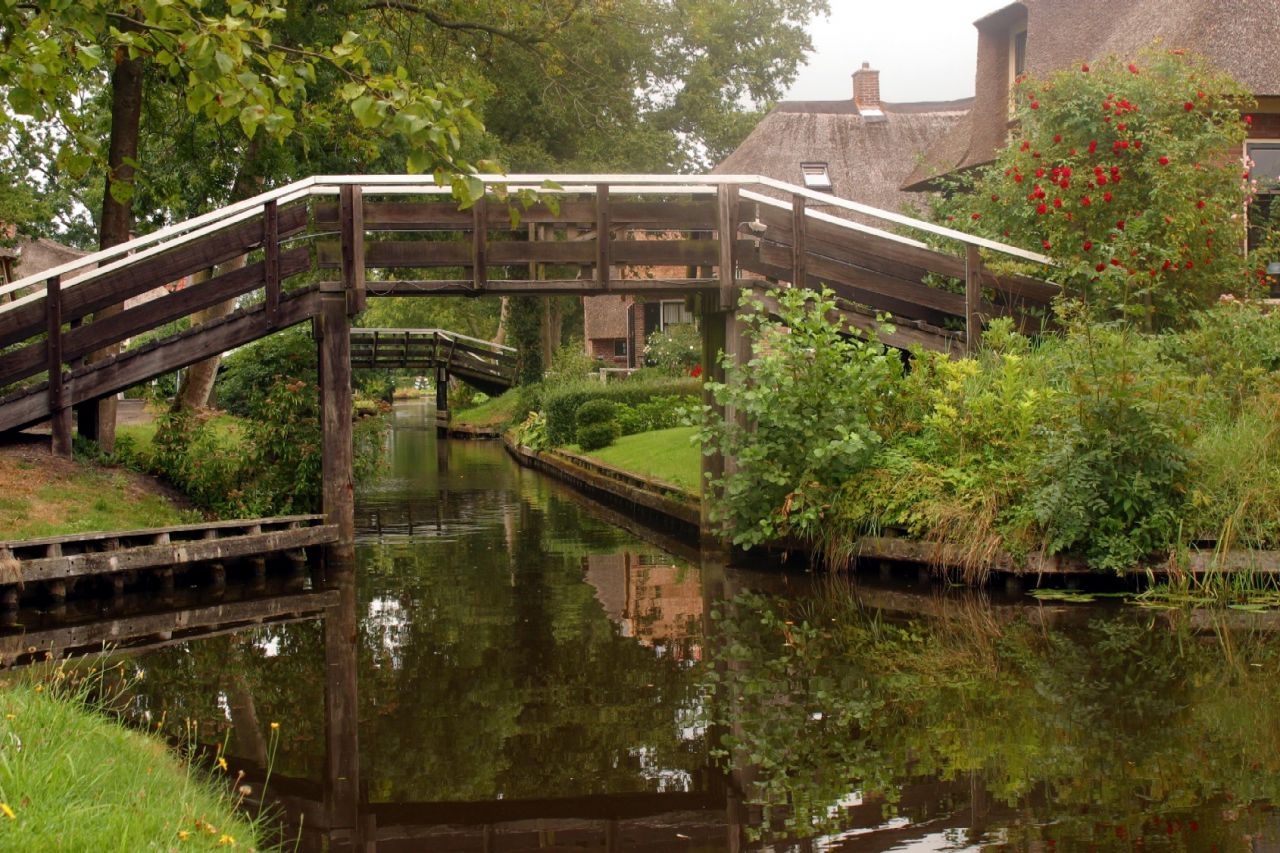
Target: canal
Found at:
x=510, y=668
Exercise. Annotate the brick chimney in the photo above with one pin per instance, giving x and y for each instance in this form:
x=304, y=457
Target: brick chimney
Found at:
x=866, y=88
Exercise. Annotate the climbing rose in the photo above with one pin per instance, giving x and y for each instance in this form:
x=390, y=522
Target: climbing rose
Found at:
x=1188, y=106
x=696, y=372
x=1163, y=161
x=1133, y=69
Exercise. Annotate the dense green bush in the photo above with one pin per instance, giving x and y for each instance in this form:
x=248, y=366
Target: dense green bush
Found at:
x=1102, y=442
x=657, y=413
x=248, y=374
x=269, y=465
x=560, y=404
x=595, y=411
x=598, y=435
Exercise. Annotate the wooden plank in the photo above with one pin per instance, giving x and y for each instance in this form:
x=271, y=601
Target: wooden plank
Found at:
x=798, y=231
x=271, y=249
x=452, y=253
x=674, y=287
x=90, y=337
x=445, y=216
x=479, y=237
x=153, y=533
x=972, y=298
x=107, y=377
x=602, y=235
x=727, y=228
x=61, y=421
x=351, y=236
x=335, y=415
x=118, y=285
x=174, y=553
x=891, y=257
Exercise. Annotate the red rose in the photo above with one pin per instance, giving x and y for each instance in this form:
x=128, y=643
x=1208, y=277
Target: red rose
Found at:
x=1057, y=137
x=1017, y=179
x=976, y=216
x=696, y=372
x=1093, y=146
x=1248, y=119
x=1106, y=196
x=1057, y=202
x=1035, y=105
x=1100, y=267
x=1086, y=201
x=1122, y=126
x=1042, y=208
x=1200, y=204
x=1045, y=243
x=1133, y=69
x=1088, y=244
x=1071, y=153
x=1040, y=172
x=1200, y=94
x=1188, y=106
x=1120, y=224
x=1085, y=68
x=1102, y=179
x=1163, y=161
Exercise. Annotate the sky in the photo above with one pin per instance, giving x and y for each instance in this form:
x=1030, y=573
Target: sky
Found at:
x=924, y=49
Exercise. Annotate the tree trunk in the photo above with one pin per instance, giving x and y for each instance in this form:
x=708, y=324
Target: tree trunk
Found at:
x=500, y=336
x=197, y=384
x=98, y=419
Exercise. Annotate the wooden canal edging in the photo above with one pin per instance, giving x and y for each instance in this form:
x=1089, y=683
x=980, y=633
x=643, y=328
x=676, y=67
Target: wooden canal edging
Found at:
x=59, y=562
x=663, y=499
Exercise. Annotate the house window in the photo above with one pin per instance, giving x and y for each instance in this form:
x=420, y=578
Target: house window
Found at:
x=816, y=176
x=1017, y=54
x=674, y=313
x=1264, y=159
x=620, y=348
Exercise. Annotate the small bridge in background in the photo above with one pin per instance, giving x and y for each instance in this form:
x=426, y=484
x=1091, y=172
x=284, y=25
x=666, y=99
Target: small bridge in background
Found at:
x=318, y=249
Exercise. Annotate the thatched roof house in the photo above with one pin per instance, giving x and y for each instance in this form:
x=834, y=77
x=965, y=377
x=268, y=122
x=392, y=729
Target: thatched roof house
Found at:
x=1241, y=37
x=861, y=149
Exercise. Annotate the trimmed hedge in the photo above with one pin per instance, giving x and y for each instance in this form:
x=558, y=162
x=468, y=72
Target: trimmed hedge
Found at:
x=561, y=404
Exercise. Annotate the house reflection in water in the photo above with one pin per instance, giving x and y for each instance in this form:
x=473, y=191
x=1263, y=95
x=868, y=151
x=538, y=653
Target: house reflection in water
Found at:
x=650, y=598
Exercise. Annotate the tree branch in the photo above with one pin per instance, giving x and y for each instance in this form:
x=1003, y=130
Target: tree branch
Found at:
x=449, y=24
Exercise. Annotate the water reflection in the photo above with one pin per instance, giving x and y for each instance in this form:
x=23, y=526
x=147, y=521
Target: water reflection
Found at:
x=506, y=668
x=1097, y=728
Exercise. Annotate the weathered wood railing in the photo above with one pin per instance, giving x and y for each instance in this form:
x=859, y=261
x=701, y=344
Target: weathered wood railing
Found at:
x=476, y=360
x=588, y=235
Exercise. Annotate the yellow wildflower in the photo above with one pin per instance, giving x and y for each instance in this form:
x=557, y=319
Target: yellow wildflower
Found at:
x=226, y=840
x=8, y=812
x=222, y=762
x=275, y=727
x=39, y=688
x=183, y=835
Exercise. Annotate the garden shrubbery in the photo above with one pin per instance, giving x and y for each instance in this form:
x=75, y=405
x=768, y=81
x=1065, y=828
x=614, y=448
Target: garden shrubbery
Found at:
x=1103, y=442
x=560, y=403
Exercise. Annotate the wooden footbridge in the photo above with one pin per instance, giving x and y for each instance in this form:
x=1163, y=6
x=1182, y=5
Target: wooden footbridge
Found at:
x=318, y=249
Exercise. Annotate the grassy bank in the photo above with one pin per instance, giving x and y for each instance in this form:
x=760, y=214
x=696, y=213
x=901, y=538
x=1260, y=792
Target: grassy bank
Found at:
x=665, y=454
x=495, y=413
x=73, y=779
x=44, y=496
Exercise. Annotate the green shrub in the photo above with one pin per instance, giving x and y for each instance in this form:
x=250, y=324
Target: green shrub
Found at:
x=248, y=374
x=597, y=435
x=560, y=404
x=630, y=421
x=595, y=411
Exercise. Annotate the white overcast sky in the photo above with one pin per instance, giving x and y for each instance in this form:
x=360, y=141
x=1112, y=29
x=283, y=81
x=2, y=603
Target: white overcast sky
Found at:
x=924, y=49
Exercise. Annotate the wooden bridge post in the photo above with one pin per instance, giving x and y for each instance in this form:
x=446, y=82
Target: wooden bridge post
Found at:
x=342, y=713
x=271, y=252
x=336, y=414
x=602, y=236
x=722, y=332
x=972, y=299
x=799, y=275
x=351, y=233
x=58, y=408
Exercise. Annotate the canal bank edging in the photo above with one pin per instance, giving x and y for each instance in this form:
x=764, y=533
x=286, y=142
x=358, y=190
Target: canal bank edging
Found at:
x=663, y=499
x=1037, y=568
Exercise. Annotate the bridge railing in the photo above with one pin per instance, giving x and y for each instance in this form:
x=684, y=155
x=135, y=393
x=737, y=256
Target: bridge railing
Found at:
x=585, y=234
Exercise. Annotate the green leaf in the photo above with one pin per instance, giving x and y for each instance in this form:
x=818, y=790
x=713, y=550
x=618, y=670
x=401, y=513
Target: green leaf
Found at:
x=365, y=109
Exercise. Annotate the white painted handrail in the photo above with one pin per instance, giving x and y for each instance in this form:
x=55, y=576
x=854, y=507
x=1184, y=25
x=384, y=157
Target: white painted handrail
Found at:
x=623, y=184
x=445, y=332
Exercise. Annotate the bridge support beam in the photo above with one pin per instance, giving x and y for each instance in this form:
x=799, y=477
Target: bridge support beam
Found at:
x=336, y=415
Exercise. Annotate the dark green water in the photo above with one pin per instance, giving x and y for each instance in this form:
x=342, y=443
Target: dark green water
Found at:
x=511, y=670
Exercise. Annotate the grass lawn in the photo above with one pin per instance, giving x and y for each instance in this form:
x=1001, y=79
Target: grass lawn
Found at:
x=664, y=454
x=494, y=412
x=73, y=779
x=44, y=496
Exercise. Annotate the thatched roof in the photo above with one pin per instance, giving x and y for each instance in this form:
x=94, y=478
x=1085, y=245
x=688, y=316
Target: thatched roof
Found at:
x=868, y=157
x=1240, y=37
